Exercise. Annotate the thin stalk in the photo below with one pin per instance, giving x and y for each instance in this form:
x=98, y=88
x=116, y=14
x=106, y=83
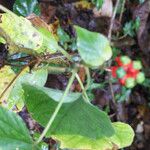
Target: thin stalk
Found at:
x=15, y=78
x=51, y=120
x=112, y=20
x=122, y=9
x=109, y=37
x=65, y=53
x=88, y=78
x=82, y=87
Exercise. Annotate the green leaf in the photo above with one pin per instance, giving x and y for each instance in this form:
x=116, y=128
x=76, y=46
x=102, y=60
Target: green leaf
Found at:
x=75, y=118
x=21, y=36
x=93, y=47
x=57, y=94
x=98, y=3
x=13, y=132
x=123, y=137
x=16, y=96
x=62, y=35
x=26, y=7
x=49, y=42
x=6, y=76
x=2, y=40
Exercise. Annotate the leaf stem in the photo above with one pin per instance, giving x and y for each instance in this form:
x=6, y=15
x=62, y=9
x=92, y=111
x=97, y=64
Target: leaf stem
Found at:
x=82, y=87
x=65, y=53
x=88, y=78
x=57, y=108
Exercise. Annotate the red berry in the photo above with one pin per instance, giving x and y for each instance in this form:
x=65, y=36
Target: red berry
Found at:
x=113, y=71
x=123, y=80
x=127, y=66
x=118, y=61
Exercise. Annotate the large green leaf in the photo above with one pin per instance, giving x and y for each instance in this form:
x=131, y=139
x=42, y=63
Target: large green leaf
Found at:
x=26, y=7
x=13, y=132
x=123, y=137
x=57, y=94
x=75, y=118
x=94, y=48
x=16, y=97
x=21, y=36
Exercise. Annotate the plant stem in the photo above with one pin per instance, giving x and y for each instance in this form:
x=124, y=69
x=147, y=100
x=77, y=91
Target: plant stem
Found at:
x=65, y=53
x=112, y=20
x=122, y=9
x=15, y=78
x=109, y=37
x=57, y=108
x=82, y=87
x=88, y=78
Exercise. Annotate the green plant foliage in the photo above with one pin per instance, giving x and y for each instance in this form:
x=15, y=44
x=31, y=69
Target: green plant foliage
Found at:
x=57, y=94
x=21, y=36
x=2, y=40
x=123, y=137
x=49, y=42
x=94, y=48
x=72, y=117
x=62, y=35
x=6, y=76
x=13, y=132
x=98, y=3
x=26, y=7
x=16, y=96
x=132, y=27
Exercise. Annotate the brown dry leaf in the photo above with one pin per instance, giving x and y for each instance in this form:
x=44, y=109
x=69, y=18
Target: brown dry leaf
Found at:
x=38, y=22
x=105, y=11
x=143, y=35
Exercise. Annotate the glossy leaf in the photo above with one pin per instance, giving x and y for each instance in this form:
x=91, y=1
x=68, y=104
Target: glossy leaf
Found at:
x=26, y=7
x=13, y=132
x=94, y=48
x=123, y=137
x=71, y=119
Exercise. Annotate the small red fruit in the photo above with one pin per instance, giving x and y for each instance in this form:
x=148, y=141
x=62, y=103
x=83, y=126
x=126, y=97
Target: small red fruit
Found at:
x=113, y=71
x=123, y=80
x=118, y=61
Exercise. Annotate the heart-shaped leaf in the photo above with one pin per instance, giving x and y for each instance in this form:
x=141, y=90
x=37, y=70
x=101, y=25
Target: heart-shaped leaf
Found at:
x=94, y=48
x=26, y=7
x=75, y=118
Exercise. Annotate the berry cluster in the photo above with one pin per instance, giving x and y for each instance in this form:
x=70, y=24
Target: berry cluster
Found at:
x=127, y=71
